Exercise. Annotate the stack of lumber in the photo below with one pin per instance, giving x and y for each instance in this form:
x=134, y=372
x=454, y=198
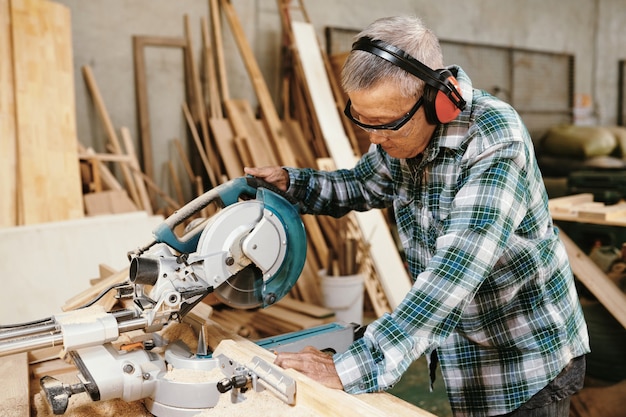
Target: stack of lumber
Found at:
x=39, y=174
x=52, y=176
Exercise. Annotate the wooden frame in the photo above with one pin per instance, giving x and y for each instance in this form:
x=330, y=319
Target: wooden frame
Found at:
x=141, y=88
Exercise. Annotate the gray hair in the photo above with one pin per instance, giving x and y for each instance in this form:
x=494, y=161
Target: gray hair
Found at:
x=363, y=70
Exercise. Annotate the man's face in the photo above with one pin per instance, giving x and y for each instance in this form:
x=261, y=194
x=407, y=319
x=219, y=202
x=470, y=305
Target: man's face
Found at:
x=383, y=104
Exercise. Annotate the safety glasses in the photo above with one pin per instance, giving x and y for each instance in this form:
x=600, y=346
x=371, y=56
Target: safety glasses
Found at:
x=395, y=125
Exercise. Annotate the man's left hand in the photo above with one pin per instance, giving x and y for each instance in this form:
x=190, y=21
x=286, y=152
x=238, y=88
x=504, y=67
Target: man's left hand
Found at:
x=313, y=363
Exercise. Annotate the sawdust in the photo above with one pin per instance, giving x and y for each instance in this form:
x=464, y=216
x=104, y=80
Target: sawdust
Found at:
x=193, y=375
x=13, y=407
x=262, y=403
x=80, y=405
x=183, y=332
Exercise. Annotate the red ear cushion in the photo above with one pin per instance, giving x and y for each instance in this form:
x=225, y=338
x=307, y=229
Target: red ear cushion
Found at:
x=446, y=110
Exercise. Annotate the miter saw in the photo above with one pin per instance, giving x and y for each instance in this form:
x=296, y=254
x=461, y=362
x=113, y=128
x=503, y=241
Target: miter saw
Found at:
x=249, y=254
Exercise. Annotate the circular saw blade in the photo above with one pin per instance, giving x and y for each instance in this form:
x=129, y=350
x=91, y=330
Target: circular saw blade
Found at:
x=244, y=290
x=264, y=247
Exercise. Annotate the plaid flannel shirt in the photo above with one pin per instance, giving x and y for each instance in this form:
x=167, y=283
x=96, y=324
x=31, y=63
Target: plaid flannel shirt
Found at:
x=493, y=292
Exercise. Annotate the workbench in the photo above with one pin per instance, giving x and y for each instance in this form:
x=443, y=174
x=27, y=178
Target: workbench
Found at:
x=581, y=208
x=20, y=394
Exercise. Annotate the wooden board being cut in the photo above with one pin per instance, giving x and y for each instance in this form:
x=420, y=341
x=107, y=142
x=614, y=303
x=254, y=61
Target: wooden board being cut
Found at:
x=315, y=397
x=49, y=182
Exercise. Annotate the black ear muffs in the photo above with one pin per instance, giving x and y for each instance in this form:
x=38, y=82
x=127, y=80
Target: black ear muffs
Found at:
x=442, y=95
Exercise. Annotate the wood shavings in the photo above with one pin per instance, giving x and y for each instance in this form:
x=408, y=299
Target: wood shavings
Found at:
x=193, y=375
x=183, y=332
x=262, y=403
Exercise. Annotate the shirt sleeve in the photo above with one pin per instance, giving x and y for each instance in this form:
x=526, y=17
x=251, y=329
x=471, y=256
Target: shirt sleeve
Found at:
x=368, y=185
x=490, y=204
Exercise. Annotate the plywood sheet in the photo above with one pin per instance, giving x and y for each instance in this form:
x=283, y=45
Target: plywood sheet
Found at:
x=48, y=169
x=8, y=191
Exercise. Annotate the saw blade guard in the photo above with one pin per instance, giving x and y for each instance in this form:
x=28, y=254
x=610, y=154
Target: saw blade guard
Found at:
x=258, y=284
x=275, y=243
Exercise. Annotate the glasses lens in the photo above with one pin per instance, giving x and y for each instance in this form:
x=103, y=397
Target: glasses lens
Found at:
x=395, y=125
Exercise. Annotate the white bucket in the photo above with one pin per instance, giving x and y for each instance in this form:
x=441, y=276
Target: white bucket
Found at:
x=343, y=295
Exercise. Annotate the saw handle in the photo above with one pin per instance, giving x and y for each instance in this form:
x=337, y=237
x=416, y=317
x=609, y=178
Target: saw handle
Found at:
x=225, y=194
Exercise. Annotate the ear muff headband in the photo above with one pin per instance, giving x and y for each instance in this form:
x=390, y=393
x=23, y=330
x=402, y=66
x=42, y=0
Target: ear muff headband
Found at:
x=442, y=105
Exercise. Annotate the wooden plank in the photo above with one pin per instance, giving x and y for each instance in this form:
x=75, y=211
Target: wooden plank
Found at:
x=312, y=310
x=392, y=274
x=14, y=386
x=269, y=115
x=243, y=128
x=198, y=102
x=93, y=88
x=142, y=191
x=108, y=202
x=225, y=140
x=596, y=281
x=314, y=396
x=582, y=208
x=603, y=213
x=216, y=25
x=45, y=112
x=8, y=133
x=196, y=138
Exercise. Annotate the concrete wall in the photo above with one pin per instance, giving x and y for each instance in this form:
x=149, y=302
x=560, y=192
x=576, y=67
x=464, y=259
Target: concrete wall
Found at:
x=102, y=30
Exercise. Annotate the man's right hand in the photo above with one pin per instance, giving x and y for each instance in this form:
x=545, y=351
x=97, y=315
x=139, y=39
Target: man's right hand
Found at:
x=275, y=175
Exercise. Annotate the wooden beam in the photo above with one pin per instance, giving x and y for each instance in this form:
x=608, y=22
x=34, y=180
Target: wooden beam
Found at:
x=596, y=281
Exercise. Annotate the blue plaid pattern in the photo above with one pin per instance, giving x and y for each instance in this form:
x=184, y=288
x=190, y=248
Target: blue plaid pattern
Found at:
x=493, y=292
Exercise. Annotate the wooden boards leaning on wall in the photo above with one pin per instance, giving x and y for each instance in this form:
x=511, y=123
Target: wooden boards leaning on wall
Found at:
x=39, y=175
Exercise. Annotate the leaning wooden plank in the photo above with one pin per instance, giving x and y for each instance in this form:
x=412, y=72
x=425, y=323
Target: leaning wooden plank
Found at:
x=198, y=103
x=269, y=115
x=260, y=152
x=93, y=88
x=315, y=397
x=596, y=281
x=389, y=266
x=14, y=386
x=225, y=140
x=199, y=146
x=142, y=191
x=8, y=133
x=48, y=168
